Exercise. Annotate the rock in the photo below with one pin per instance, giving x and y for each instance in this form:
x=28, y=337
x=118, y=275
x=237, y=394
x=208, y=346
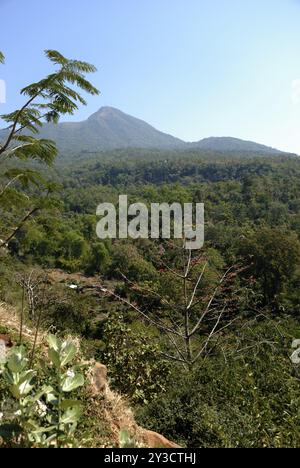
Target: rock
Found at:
x=122, y=416
x=99, y=378
x=5, y=342
x=154, y=440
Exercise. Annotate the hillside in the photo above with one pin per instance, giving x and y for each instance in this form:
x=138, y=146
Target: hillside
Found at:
x=234, y=145
x=110, y=129
x=253, y=225
x=108, y=412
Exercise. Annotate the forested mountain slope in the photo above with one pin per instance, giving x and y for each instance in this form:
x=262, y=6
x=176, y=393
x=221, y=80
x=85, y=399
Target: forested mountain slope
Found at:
x=110, y=129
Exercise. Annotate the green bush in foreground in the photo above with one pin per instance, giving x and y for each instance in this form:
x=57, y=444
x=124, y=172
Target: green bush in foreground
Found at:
x=250, y=399
x=37, y=409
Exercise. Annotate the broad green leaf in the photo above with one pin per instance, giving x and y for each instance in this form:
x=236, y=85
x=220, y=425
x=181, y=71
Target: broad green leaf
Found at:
x=19, y=391
x=17, y=360
x=71, y=416
x=47, y=389
x=71, y=383
x=66, y=404
x=21, y=384
x=68, y=353
x=54, y=357
x=53, y=342
x=52, y=398
x=25, y=388
x=31, y=425
x=49, y=392
x=44, y=430
x=26, y=376
x=10, y=377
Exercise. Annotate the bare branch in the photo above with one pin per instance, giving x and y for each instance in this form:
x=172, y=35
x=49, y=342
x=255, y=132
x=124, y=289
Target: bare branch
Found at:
x=197, y=285
x=174, y=358
x=212, y=333
x=16, y=121
x=195, y=329
x=173, y=342
x=137, y=309
x=17, y=229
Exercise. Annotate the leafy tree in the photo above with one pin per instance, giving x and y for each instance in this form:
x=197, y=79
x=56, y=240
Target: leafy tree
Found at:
x=128, y=261
x=134, y=361
x=98, y=259
x=272, y=256
x=46, y=101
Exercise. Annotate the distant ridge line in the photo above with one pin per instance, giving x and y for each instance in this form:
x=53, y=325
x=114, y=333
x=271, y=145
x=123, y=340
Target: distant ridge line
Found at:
x=111, y=129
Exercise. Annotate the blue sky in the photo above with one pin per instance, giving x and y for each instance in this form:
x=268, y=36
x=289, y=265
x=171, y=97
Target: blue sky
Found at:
x=192, y=68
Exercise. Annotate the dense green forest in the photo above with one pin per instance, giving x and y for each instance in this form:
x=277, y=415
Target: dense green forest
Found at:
x=247, y=202
x=243, y=390
x=198, y=342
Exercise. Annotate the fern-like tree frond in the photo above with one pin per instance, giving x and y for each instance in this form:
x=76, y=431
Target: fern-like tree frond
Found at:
x=56, y=95
x=50, y=98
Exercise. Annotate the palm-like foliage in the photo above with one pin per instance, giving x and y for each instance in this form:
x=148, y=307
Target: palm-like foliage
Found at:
x=46, y=101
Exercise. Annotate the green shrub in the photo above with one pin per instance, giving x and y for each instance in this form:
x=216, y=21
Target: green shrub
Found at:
x=37, y=408
x=248, y=400
x=134, y=361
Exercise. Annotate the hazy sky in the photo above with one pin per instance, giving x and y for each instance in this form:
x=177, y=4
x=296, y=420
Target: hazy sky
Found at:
x=192, y=68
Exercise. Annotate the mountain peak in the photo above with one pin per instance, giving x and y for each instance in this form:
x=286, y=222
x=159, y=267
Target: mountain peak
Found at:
x=110, y=129
x=106, y=112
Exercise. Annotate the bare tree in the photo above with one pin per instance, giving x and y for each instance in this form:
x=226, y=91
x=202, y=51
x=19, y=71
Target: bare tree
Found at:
x=32, y=284
x=195, y=318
